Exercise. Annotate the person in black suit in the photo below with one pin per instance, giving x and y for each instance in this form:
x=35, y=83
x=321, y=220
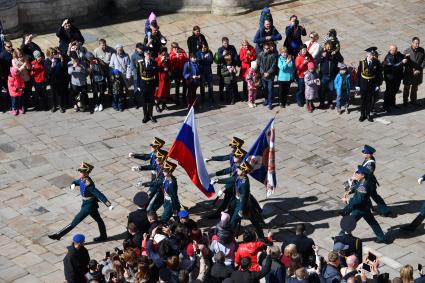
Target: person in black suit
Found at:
x=139, y=216
x=304, y=244
x=355, y=246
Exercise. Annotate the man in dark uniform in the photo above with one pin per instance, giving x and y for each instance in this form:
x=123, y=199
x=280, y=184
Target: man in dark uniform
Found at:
x=359, y=206
x=156, y=144
x=418, y=220
x=242, y=206
x=355, y=245
x=369, y=79
x=148, y=72
x=139, y=216
x=91, y=196
x=235, y=143
x=171, y=200
x=156, y=196
x=370, y=163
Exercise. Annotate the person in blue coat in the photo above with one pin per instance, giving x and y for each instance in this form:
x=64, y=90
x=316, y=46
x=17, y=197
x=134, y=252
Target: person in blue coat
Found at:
x=192, y=78
x=286, y=66
x=91, y=196
x=156, y=144
x=420, y=218
x=342, y=85
x=267, y=34
x=359, y=205
x=293, y=33
x=205, y=60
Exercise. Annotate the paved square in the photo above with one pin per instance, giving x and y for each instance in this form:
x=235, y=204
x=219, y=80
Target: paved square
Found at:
x=40, y=151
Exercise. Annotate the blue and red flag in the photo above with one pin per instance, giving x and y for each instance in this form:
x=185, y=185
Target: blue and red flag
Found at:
x=186, y=149
x=262, y=158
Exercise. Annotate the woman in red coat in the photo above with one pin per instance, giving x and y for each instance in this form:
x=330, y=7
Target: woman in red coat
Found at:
x=163, y=91
x=301, y=62
x=247, y=54
x=251, y=247
x=178, y=58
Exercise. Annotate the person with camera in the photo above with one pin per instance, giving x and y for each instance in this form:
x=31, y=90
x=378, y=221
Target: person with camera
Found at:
x=68, y=33
x=393, y=74
x=90, y=197
x=413, y=71
x=192, y=78
x=230, y=50
x=57, y=77
x=162, y=93
x=359, y=205
x=293, y=33
x=369, y=79
x=78, y=73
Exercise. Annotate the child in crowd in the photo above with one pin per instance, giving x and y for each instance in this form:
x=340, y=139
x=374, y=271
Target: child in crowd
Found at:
x=342, y=84
x=118, y=87
x=253, y=79
x=16, y=85
x=98, y=82
x=228, y=71
x=311, y=86
x=38, y=77
x=150, y=23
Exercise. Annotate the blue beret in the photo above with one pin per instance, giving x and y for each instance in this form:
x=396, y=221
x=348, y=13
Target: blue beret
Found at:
x=183, y=214
x=78, y=238
x=367, y=149
x=362, y=170
x=115, y=72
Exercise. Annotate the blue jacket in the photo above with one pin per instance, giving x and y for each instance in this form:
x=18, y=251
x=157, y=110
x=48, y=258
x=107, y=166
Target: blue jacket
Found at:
x=260, y=38
x=190, y=69
x=286, y=70
x=338, y=84
x=204, y=64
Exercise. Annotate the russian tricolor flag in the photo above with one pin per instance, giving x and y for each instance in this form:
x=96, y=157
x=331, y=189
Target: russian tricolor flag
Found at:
x=186, y=149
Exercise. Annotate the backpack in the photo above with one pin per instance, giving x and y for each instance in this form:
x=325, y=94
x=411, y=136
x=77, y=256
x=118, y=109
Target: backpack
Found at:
x=265, y=15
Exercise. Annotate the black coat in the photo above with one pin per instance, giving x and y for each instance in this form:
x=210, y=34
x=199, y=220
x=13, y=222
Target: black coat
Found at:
x=374, y=70
x=304, y=247
x=329, y=64
x=66, y=37
x=393, y=66
x=194, y=44
x=75, y=264
x=140, y=218
x=5, y=64
x=252, y=276
x=355, y=245
x=29, y=49
x=219, y=272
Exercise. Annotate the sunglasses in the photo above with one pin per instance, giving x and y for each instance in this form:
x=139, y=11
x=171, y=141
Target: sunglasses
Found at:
x=8, y=46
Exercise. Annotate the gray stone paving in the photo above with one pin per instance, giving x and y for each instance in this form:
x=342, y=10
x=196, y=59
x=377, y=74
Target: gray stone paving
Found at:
x=39, y=152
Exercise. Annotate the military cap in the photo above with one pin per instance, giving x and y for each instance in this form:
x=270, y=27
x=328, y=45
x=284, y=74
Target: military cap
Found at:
x=141, y=199
x=237, y=142
x=239, y=153
x=338, y=247
x=169, y=166
x=348, y=223
x=85, y=168
x=373, y=50
x=367, y=149
x=157, y=143
x=161, y=155
x=246, y=167
x=78, y=238
x=362, y=170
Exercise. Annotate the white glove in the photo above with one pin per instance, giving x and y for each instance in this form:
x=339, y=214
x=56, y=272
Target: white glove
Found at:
x=377, y=88
x=111, y=207
x=420, y=180
x=131, y=154
x=73, y=187
x=357, y=88
x=138, y=89
x=213, y=181
x=135, y=168
x=240, y=214
x=219, y=193
x=206, y=160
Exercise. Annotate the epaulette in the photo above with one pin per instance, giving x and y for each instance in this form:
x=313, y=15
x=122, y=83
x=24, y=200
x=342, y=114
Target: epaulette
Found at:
x=362, y=190
x=88, y=181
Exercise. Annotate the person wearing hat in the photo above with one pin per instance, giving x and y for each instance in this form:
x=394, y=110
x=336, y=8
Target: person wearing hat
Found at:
x=359, y=206
x=91, y=196
x=169, y=187
x=38, y=77
x=243, y=205
x=156, y=144
x=148, y=75
x=155, y=42
x=76, y=260
x=139, y=216
x=370, y=163
x=234, y=144
x=342, y=85
x=185, y=220
x=419, y=219
x=369, y=80
x=355, y=245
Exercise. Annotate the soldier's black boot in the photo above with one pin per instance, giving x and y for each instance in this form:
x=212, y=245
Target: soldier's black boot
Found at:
x=150, y=111
x=415, y=223
x=102, y=230
x=145, y=113
x=61, y=233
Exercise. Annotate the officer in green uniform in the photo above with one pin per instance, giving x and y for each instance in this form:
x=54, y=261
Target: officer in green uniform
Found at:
x=242, y=205
x=156, y=195
x=91, y=196
x=370, y=163
x=148, y=74
x=156, y=144
x=418, y=220
x=368, y=81
x=169, y=187
x=234, y=144
x=359, y=206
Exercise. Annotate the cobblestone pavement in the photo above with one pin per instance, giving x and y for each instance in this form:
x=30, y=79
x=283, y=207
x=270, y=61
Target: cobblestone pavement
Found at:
x=39, y=152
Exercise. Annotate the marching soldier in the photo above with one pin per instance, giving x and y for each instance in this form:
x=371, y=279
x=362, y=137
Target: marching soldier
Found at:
x=156, y=144
x=242, y=205
x=171, y=200
x=148, y=72
x=368, y=81
x=234, y=144
x=156, y=196
x=418, y=220
x=359, y=206
x=91, y=196
x=370, y=163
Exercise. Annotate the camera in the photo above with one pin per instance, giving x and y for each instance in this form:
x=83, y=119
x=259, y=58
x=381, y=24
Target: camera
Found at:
x=347, y=185
x=118, y=251
x=296, y=22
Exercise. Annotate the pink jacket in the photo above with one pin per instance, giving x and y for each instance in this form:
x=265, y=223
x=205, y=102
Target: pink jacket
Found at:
x=15, y=83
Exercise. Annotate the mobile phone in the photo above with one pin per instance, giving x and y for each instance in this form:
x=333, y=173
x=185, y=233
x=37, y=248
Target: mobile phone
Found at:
x=419, y=267
x=366, y=267
x=371, y=256
x=108, y=254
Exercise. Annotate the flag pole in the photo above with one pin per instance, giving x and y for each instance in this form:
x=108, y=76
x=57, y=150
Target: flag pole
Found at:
x=277, y=112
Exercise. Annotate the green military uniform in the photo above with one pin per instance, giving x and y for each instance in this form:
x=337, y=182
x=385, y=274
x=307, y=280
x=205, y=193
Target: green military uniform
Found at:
x=91, y=196
x=156, y=144
x=169, y=187
x=359, y=205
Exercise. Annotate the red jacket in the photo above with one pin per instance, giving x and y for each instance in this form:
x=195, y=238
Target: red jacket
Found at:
x=177, y=62
x=16, y=85
x=301, y=66
x=37, y=71
x=246, y=60
x=251, y=250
